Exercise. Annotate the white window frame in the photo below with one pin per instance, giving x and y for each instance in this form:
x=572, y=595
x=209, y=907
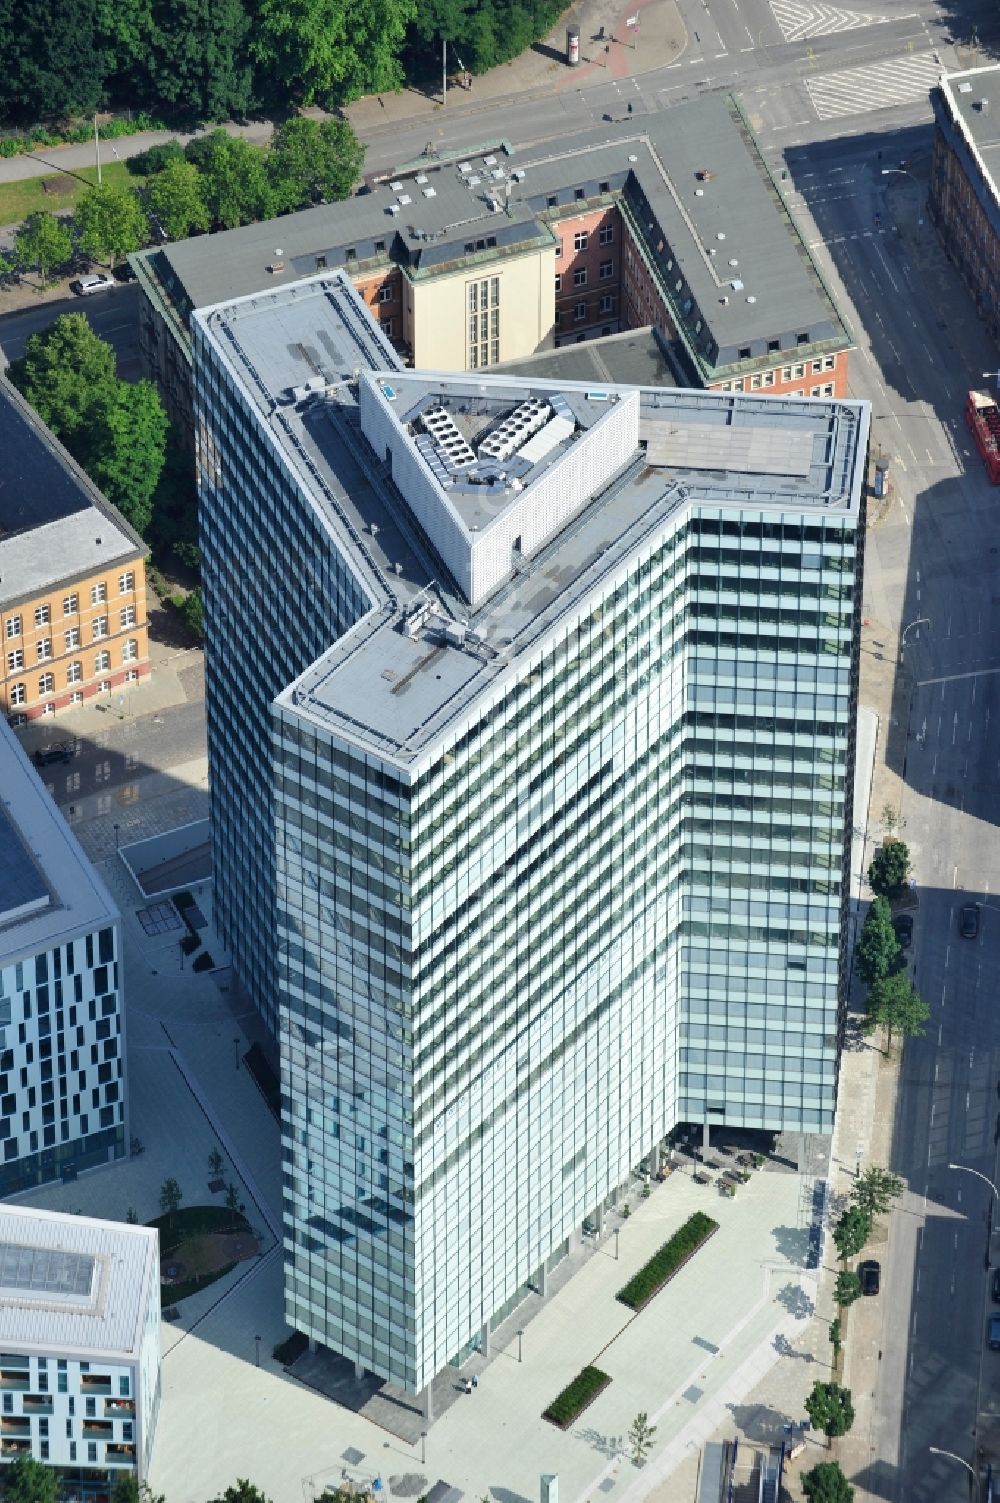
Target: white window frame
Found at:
x=13, y=627
x=98, y=593
x=43, y=614
x=99, y=628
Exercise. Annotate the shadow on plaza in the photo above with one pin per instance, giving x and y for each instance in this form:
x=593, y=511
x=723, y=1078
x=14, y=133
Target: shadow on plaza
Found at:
x=949, y=555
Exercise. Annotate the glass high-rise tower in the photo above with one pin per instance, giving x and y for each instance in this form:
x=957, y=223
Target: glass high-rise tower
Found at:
x=531, y=714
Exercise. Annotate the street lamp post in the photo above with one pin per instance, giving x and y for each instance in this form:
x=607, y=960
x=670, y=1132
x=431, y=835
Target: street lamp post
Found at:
x=902, y=172
x=920, y=621
x=519, y=1335
x=257, y=1339
x=964, y=1168
x=940, y=1451
x=236, y=1051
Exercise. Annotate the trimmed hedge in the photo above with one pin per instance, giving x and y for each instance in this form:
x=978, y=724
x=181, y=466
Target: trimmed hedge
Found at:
x=574, y=1399
x=662, y=1266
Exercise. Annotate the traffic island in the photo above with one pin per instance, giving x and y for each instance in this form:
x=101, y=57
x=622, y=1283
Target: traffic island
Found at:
x=667, y=1262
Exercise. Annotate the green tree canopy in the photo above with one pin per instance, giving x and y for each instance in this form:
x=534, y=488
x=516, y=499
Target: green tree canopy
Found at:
x=826, y=1483
x=242, y=1491
x=310, y=162
x=129, y=450
x=893, y=1004
x=889, y=868
x=196, y=63
x=29, y=1481
x=331, y=51
x=830, y=1409
x=171, y=1196
x=852, y=1231
x=175, y=200
x=878, y=948
x=66, y=373
x=43, y=243
x=51, y=65
x=234, y=179
x=846, y=1289
x=110, y=222
x=875, y=1189
x=148, y=163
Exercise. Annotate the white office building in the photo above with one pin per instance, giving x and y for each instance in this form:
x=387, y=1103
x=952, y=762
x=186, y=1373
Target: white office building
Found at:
x=531, y=714
x=79, y=1345
x=62, y=1034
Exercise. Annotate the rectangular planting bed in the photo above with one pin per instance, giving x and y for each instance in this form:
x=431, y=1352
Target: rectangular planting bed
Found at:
x=670, y=1258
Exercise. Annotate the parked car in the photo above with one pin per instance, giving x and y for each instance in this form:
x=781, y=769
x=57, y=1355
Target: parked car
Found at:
x=99, y=282
x=56, y=751
x=993, y=1333
x=903, y=925
x=995, y=1286
x=870, y=1275
x=968, y=920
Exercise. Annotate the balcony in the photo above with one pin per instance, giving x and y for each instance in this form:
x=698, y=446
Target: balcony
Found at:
x=14, y=1447
x=119, y=1408
x=95, y=1383
x=119, y=1455
x=11, y=1426
x=37, y=1403
x=14, y=1382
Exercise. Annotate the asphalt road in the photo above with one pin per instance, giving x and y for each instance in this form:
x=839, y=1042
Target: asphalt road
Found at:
x=114, y=315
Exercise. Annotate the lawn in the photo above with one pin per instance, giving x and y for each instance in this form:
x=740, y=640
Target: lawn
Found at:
x=194, y=1221
x=19, y=199
x=198, y=1245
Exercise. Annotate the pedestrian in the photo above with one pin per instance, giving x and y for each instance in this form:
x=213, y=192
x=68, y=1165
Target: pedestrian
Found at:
x=468, y=1385
x=475, y=1380
x=630, y=106
x=381, y=102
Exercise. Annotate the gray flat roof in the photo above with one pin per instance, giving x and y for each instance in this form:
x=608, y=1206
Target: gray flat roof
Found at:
x=23, y=889
x=395, y=687
x=975, y=102
x=71, y=1284
x=54, y=523
x=52, y=861
x=636, y=357
x=696, y=170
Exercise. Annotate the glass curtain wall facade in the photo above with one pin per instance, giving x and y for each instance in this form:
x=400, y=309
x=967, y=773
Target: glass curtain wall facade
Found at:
x=276, y=595
x=612, y=903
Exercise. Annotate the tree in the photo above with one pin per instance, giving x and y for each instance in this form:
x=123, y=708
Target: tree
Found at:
x=51, y=67
x=845, y=1291
x=155, y=158
x=195, y=58
x=193, y=613
x=875, y=1190
x=235, y=180
x=132, y=1216
x=889, y=868
x=878, y=949
x=852, y=1232
x=29, y=1481
x=826, y=1483
x=890, y=818
x=312, y=162
x=836, y=1336
x=640, y=1437
x=893, y=1004
x=830, y=1409
x=326, y=52
x=171, y=1196
x=175, y=200
x=242, y=1492
x=127, y=456
x=127, y=1490
x=43, y=242
x=215, y=1163
x=66, y=371
x=110, y=222
x=233, y=1202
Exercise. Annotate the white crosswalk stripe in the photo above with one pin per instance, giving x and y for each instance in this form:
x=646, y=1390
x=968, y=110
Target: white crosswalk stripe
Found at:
x=854, y=91
x=798, y=19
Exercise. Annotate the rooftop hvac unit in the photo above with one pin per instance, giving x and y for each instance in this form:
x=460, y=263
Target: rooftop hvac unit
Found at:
x=490, y=161
x=421, y=178
x=393, y=209
x=430, y=193
x=396, y=187
x=465, y=166
x=405, y=198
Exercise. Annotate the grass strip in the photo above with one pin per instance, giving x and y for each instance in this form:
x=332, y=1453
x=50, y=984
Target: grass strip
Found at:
x=672, y=1256
x=26, y=195
x=576, y=1396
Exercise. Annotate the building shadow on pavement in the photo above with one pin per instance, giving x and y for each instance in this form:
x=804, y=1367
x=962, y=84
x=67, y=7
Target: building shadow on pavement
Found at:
x=879, y=1479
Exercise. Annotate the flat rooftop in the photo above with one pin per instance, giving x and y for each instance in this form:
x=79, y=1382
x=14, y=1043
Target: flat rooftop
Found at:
x=697, y=172
x=54, y=523
x=974, y=97
x=623, y=462
x=49, y=891
x=72, y=1284
x=635, y=357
